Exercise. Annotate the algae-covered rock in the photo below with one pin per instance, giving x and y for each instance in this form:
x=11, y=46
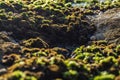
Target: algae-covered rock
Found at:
x=5, y=37
x=38, y=40
x=35, y=43
x=8, y=44
x=54, y=22
x=9, y=47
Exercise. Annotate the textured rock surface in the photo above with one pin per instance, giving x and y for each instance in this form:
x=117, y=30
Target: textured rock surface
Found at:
x=108, y=26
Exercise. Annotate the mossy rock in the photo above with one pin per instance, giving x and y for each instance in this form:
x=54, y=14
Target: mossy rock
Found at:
x=35, y=43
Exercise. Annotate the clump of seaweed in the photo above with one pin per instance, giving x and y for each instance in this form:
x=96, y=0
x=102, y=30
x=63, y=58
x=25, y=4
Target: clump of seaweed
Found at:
x=86, y=62
x=35, y=43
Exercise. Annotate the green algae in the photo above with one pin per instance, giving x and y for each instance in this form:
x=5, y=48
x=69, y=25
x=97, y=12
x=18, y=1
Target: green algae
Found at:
x=83, y=64
x=59, y=20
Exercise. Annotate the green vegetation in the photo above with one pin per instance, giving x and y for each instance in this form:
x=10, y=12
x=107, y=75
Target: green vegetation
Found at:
x=91, y=62
x=40, y=26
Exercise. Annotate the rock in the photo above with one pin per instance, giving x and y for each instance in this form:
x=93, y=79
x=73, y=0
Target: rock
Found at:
x=8, y=44
x=9, y=47
x=53, y=25
x=108, y=26
x=4, y=37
